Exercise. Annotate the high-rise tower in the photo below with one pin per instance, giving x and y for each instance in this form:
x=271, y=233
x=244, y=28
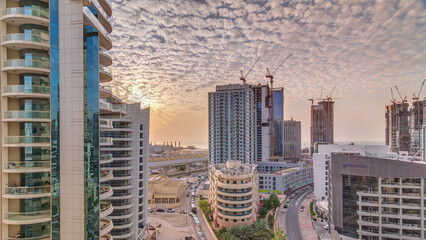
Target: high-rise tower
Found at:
x=397, y=127
x=232, y=124
x=54, y=55
x=322, y=122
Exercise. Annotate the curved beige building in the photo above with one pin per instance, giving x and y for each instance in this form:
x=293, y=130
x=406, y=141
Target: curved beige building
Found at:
x=233, y=196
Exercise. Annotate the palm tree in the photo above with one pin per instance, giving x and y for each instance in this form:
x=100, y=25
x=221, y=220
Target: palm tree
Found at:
x=246, y=232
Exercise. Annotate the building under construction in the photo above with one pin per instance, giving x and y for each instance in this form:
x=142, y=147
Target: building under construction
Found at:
x=398, y=127
x=417, y=118
x=322, y=122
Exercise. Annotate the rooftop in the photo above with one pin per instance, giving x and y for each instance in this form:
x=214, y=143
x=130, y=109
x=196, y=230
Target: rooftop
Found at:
x=234, y=168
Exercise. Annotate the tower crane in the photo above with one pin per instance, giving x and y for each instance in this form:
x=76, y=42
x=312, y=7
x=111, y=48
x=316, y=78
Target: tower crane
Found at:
x=393, y=100
x=243, y=77
x=328, y=98
x=271, y=121
x=416, y=98
x=403, y=100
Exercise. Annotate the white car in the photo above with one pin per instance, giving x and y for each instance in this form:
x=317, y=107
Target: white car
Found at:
x=326, y=227
x=283, y=211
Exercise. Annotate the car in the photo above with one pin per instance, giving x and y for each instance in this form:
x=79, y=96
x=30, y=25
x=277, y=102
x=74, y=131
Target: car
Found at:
x=288, y=201
x=150, y=210
x=193, y=205
x=182, y=211
x=285, y=206
x=170, y=210
x=187, y=195
x=194, y=210
x=302, y=207
x=301, y=210
x=326, y=227
x=160, y=210
x=283, y=211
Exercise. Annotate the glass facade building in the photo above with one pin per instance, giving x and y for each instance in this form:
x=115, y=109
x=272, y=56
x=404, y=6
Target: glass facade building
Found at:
x=51, y=118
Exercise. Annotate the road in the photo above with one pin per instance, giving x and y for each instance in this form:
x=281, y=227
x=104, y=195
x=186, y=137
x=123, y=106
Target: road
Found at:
x=292, y=216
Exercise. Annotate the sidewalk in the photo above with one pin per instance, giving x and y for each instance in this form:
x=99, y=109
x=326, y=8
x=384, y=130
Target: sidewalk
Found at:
x=306, y=227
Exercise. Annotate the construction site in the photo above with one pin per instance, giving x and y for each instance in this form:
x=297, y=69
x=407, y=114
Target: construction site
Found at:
x=322, y=120
x=404, y=124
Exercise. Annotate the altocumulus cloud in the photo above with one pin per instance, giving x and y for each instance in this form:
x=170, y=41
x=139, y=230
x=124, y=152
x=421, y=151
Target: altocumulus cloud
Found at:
x=169, y=54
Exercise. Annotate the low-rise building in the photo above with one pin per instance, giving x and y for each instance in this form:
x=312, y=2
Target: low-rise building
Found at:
x=377, y=198
x=233, y=195
x=285, y=180
x=267, y=167
x=164, y=192
x=321, y=161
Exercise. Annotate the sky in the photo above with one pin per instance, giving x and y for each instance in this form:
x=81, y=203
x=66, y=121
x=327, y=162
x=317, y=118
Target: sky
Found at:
x=169, y=54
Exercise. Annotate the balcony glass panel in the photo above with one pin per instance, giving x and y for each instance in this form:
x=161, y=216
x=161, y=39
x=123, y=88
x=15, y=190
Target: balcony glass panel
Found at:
x=22, y=140
x=27, y=190
x=44, y=39
x=27, y=63
x=24, y=216
x=27, y=114
x=24, y=165
x=26, y=89
x=29, y=11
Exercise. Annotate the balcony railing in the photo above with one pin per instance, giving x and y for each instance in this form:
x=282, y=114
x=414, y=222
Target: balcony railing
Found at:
x=106, y=52
x=22, y=140
x=24, y=216
x=105, y=157
x=26, y=11
x=105, y=174
x=235, y=215
x=26, y=190
x=106, y=69
x=26, y=37
x=231, y=207
x=27, y=165
x=27, y=63
x=26, y=89
x=27, y=114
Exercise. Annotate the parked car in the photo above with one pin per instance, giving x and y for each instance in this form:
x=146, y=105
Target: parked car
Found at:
x=170, y=210
x=160, y=210
x=182, y=211
x=302, y=207
x=194, y=210
x=285, y=206
x=150, y=210
x=326, y=227
x=301, y=210
x=283, y=211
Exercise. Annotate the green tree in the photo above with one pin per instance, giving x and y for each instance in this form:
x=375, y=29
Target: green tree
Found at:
x=279, y=235
x=204, y=206
x=274, y=200
x=271, y=221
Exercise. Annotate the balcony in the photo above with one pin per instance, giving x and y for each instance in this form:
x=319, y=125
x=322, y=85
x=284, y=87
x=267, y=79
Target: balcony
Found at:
x=234, y=209
x=105, y=57
x=234, y=186
x=106, y=5
x=123, y=176
x=105, y=192
x=103, y=18
x=104, y=91
x=106, y=226
x=235, y=216
x=105, y=175
x=105, y=74
x=26, y=116
x=33, y=91
x=106, y=208
x=26, y=167
x=26, y=192
x=119, y=108
x=105, y=141
x=18, y=41
x=105, y=124
x=106, y=237
x=14, y=218
x=106, y=158
x=18, y=66
x=19, y=15
x=46, y=236
x=121, y=196
x=28, y=141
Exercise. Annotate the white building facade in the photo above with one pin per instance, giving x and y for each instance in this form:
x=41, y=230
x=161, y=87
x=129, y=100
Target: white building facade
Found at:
x=322, y=158
x=232, y=124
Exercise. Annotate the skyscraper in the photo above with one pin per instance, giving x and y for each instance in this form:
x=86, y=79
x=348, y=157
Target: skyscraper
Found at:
x=416, y=122
x=232, y=124
x=292, y=140
x=322, y=122
x=54, y=56
x=397, y=127
x=263, y=131
x=124, y=147
x=278, y=123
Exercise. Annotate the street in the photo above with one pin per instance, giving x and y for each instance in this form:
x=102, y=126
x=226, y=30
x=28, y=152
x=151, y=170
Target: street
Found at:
x=292, y=225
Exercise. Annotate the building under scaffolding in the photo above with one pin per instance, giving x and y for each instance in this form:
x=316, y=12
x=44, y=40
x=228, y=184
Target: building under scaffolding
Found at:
x=398, y=127
x=322, y=122
x=417, y=119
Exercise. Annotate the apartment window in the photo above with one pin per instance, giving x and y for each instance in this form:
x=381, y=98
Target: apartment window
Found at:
x=141, y=160
x=141, y=144
x=141, y=127
x=140, y=151
x=235, y=220
x=141, y=135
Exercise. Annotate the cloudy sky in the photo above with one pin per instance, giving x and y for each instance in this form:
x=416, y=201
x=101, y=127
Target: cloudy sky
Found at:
x=169, y=54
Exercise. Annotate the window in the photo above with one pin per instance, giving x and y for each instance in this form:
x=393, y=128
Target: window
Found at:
x=141, y=144
x=141, y=135
x=141, y=127
x=140, y=151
